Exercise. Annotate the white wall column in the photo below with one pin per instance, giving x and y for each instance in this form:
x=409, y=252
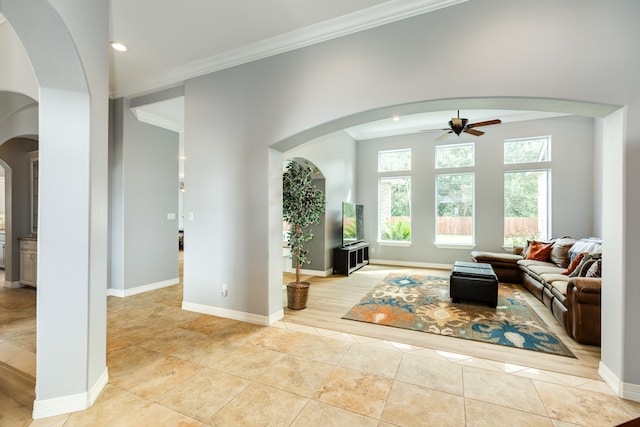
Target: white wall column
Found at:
x=67, y=43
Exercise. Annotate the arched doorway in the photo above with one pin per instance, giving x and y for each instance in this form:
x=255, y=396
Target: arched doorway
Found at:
x=72, y=220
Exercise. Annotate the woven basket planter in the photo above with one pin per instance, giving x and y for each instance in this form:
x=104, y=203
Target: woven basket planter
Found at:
x=297, y=295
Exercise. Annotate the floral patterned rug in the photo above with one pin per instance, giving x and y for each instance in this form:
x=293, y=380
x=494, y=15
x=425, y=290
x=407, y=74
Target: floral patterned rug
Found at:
x=422, y=303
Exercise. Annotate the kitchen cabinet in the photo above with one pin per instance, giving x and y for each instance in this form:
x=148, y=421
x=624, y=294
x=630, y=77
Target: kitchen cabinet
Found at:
x=29, y=261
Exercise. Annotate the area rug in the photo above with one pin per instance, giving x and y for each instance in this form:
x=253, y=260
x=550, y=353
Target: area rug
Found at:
x=422, y=303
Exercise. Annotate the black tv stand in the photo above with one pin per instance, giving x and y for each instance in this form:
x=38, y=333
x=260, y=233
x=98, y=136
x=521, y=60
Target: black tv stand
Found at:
x=347, y=259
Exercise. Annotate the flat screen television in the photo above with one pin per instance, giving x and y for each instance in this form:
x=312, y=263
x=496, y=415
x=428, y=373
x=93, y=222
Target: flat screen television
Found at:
x=352, y=223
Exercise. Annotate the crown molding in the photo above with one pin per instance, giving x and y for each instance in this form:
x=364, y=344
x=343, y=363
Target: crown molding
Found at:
x=375, y=16
x=156, y=120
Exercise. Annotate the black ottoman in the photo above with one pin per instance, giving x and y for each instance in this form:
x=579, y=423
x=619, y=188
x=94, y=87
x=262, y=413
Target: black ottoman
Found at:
x=473, y=281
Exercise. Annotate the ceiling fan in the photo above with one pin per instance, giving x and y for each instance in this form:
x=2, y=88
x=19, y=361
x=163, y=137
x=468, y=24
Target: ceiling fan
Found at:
x=459, y=125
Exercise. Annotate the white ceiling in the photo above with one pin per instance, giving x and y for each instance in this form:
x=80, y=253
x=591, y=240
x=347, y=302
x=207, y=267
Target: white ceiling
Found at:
x=170, y=41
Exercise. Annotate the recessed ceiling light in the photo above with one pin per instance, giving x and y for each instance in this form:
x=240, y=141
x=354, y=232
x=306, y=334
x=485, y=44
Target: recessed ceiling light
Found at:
x=119, y=46
x=396, y=118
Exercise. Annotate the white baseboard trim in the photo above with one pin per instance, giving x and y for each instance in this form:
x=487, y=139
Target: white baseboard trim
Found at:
x=621, y=389
x=123, y=293
x=73, y=403
x=12, y=285
x=318, y=273
x=232, y=314
x=411, y=264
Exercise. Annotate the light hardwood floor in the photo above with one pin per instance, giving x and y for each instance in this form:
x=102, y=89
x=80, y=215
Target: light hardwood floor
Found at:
x=331, y=297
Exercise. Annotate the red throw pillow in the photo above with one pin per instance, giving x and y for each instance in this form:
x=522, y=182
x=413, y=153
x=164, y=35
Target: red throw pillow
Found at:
x=539, y=251
x=574, y=263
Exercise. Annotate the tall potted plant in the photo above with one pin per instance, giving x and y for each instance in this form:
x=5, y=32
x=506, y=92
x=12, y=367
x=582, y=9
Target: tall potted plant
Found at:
x=302, y=205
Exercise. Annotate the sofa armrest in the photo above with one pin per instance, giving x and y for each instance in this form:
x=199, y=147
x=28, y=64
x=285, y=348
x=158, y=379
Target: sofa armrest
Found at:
x=583, y=305
x=585, y=290
x=490, y=257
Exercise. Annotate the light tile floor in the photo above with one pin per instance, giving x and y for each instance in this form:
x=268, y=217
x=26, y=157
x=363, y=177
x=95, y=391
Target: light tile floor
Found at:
x=170, y=367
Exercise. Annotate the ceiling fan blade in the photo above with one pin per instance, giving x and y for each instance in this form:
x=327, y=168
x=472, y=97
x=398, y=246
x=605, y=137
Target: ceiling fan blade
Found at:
x=474, y=132
x=444, y=135
x=487, y=123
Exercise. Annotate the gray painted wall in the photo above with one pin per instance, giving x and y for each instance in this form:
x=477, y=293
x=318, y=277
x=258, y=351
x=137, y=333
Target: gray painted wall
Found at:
x=335, y=156
x=144, y=190
x=234, y=116
x=571, y=178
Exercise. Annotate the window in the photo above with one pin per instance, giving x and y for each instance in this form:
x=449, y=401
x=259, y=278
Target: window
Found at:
x=526, y=200
x=526, y=192
x=394, y=203
x=394, y=196
x=526, y=150
x=455, y=156
x=394, y=160
x=454, y=209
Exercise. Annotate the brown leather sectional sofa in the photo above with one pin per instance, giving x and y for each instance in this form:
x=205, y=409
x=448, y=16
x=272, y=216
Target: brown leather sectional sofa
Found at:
x=574, y=301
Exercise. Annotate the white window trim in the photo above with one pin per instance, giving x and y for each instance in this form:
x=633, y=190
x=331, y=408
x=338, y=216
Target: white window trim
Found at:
x=473, y=222
x=379, y=238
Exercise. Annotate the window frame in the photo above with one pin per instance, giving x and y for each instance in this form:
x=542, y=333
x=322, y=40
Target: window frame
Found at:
x=386, y=242
x=453, y=245
x=396, y=150
x=526, y=169
x=461, y=144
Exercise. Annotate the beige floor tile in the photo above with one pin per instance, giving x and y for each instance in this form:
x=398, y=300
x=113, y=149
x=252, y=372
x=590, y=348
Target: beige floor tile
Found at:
x=381, y=362
x=410, y=405
x=479, y=363
x=453, y=357
x=57, y=421
x=223, y=328
x=431, y=353
x=260, y=405
x=536, y=374
x=202, y=395
x=481, y=414
x=502, y=389
x=355, y=391
x=557, y=423
x=206, y=351
x=174, y=340
x=296, y=375
x=248, y=361
x=435, y=374
x=130, y=359
x=583, y=407
x=597, y=386
x=632, y=407
x=116, y=407
x=302, y=328
x=320, y=349
x=569, y=380
x=319, y=414
x=508, y=368
x=157, y=377
x=277, y=339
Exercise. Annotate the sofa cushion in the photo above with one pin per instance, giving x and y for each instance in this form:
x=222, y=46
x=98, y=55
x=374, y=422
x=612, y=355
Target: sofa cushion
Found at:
x=584, y=265
x=560, y=251
x=595, y=270
x=559, y=290
x=588, y=244
x=539, y=251
x=547, y=269
x=575, y=263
